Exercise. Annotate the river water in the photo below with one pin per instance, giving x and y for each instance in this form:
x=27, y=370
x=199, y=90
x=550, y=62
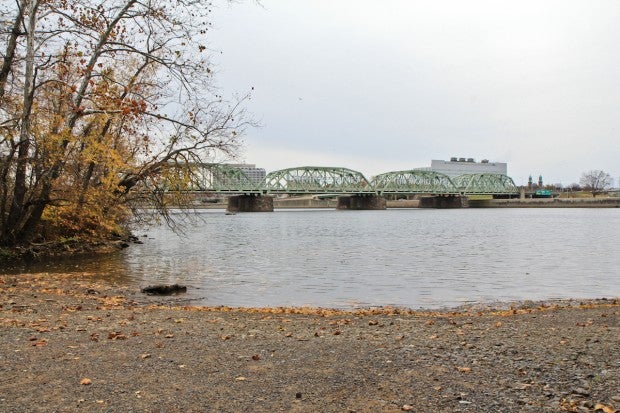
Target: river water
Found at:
x=416, y=258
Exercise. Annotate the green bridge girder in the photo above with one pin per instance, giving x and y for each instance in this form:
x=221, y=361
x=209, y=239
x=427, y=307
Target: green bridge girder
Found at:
x=316, y=180
x=414, y=181
x=485, y=184
x=225, y=178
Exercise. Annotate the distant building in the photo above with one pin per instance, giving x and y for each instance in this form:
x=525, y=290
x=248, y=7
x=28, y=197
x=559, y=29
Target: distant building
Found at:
x=253, y=173
x=461, y=166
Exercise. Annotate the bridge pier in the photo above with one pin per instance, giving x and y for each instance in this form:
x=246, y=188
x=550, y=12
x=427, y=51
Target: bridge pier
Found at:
x=250, y=203
x=361, y=202
x=441, y=201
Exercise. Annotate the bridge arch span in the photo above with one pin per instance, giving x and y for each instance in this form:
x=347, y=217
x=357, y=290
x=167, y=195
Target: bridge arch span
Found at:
x=225, y=178
x=486, y=184
x=414, y=181
x=317, y=180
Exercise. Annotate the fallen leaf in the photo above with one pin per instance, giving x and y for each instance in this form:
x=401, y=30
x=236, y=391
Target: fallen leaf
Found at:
x=604, y=408
x=116, y=335
x=464, y=369
x=240, y=378
x=86, y=382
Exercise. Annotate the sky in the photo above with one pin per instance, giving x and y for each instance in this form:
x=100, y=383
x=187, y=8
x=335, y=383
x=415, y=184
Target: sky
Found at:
x=379, y=86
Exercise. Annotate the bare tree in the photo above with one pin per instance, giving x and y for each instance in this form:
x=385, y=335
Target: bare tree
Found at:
x=595, y=181
x=99, y=99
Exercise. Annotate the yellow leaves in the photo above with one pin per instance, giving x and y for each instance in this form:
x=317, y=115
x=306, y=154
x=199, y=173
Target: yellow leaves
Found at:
x=86, y=382
x=604, y=408
x=114, y=301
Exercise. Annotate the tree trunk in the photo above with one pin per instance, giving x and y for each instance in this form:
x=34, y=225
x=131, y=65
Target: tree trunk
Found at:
x=18, y=213
x=9, y=54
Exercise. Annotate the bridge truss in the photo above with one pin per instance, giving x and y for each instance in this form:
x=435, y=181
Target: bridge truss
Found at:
x=316, y=180
x=485, y=184
x=415, y=181
x=225, y=178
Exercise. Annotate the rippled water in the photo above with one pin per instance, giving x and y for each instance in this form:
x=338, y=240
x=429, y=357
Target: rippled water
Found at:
x=403, y=257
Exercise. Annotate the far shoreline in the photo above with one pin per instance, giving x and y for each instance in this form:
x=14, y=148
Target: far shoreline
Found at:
x=316, y=203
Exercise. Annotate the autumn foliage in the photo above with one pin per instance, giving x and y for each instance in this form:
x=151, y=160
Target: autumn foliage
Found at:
x=103, y=104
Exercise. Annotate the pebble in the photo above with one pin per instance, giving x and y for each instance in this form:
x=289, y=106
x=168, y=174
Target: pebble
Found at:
x=580, y=392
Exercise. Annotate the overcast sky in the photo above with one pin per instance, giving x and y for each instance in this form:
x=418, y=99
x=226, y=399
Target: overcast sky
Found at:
x=378, y=86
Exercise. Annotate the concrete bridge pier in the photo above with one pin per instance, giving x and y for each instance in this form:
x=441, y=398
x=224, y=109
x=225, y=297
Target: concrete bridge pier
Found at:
x=250, y=203
x=361, y=202
x=441, y=201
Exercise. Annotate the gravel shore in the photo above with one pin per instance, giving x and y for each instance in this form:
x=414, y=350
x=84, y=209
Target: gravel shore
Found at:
x=68, y=343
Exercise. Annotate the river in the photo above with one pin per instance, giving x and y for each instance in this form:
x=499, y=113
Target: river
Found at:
x=415, y=258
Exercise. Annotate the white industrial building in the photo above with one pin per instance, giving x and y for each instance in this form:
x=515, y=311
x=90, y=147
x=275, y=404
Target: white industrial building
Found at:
x=461, y=166
x=253, y=173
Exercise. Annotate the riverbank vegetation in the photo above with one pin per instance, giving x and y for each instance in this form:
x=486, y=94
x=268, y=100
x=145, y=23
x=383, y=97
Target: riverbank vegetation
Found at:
x=103, y=104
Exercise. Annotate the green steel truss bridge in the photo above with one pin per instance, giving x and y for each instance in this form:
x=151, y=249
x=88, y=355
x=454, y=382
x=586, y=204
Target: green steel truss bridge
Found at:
x=222, y=178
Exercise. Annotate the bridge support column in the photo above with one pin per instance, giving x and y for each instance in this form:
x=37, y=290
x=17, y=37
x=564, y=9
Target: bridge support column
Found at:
x=250, y=203
x=441, y=202
x=361, y=202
